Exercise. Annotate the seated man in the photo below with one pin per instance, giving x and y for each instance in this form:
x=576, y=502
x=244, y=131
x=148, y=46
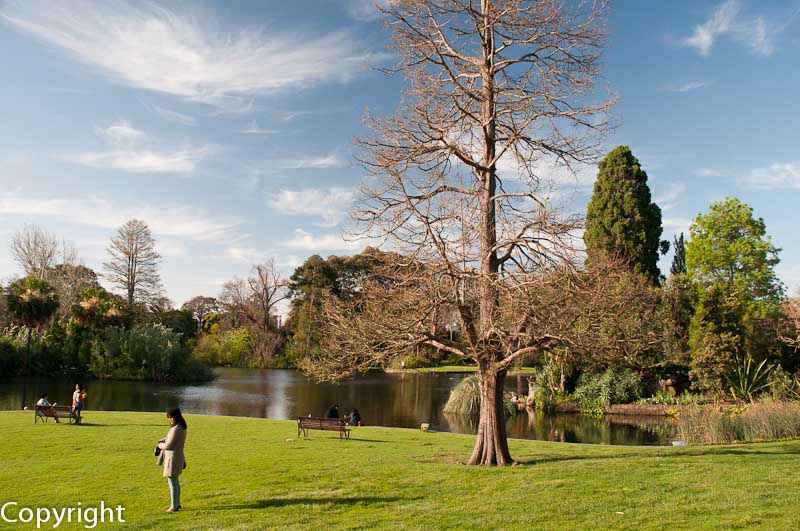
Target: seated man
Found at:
x=47, y=407
x=333, y=412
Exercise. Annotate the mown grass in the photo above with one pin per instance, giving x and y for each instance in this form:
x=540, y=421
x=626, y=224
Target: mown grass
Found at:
x=249, y=474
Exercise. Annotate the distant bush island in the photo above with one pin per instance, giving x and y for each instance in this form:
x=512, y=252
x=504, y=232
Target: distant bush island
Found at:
x=143, y=352
x=596, y=391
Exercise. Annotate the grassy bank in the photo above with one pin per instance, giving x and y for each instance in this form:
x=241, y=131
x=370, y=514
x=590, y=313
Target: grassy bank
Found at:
x=248, y=474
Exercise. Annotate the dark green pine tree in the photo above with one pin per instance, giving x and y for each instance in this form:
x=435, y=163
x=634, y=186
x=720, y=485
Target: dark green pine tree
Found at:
x=621, y=219
x=678, y=266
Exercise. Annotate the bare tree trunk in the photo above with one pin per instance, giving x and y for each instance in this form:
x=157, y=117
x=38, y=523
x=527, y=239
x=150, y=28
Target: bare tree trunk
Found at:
x=491, y=447
x=491, y=444
x=28, y=352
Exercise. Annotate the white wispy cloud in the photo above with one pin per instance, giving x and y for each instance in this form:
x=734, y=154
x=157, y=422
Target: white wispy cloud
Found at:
x=334, y=160
x=121, y=132
x=667, y=199
x=136, y=160
x=550, y=173
x=676, y=225
x=175, y=116
x=305, y=241
x=708, y=172
x=132, y=152
x=288, y=116
x=774, y=176
x=155, y=48
x=727, y=20
x=244, y=254
x=365, y=10
x=330, y=204
x=168, y=219
x=252, y=128
x=690, y=86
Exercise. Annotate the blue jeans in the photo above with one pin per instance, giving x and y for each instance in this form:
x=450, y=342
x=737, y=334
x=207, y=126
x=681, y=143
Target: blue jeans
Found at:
x=174, y=491
x=78, y=408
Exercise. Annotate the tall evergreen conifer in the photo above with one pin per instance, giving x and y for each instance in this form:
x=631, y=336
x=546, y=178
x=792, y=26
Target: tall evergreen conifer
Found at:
x=621, y=219
x=678, y=266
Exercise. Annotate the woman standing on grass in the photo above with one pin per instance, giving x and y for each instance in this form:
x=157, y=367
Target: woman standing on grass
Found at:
x=174, y=460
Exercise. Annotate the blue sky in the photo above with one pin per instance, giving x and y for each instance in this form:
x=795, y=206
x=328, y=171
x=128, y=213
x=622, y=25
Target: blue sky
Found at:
x=228, y=126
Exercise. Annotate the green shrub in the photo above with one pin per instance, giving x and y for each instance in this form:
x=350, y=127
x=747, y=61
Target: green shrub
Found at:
x=748, y=379
x=465, y=399
x=783, y=385
x=49, y=353
x=10, y=359
x=596, y=391
x=232, y=347
x=418, y=363
x=684, y=399
x=144, y=352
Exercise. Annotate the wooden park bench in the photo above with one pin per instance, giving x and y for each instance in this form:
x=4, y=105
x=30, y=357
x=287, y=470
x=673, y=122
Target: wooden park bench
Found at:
x=44, y=412
x=317, y=423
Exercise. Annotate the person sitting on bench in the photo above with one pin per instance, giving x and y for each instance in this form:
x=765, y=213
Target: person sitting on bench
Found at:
x=48, y=407
x=333, y=412
x=355, y=418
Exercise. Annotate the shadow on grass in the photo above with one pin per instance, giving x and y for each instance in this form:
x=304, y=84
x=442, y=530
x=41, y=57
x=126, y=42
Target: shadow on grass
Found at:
x=693, y=452
x=354, y=439
x=96, y=425
x=287, y=502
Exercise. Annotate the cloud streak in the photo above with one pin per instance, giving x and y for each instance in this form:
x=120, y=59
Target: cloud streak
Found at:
x=329, y=204
x=134, y=160
x=175, y=116
x=130, y=153
x=726, y=20
x=154, y=48
x=253, y=128
x=688, y=87
x=305, y=241
x=171, y=219
x=775, y=176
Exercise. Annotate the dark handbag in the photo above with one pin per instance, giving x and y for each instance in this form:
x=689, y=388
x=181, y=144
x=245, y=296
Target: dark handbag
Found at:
x=157, y=451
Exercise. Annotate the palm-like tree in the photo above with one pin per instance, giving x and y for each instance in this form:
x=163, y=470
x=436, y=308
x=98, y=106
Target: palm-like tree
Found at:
x=32, y=302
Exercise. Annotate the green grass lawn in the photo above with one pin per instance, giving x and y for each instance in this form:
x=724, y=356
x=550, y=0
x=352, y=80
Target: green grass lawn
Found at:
x=252, y=474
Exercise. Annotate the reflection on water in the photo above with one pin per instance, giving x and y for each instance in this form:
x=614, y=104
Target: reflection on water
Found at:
x=395, y=399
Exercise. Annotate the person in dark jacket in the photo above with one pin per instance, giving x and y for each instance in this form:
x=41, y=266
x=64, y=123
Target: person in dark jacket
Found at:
x=333, y=412
x=355, y=418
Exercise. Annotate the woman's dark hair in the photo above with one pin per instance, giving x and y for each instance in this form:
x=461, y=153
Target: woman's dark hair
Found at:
x=43, y=396
x=177, y=416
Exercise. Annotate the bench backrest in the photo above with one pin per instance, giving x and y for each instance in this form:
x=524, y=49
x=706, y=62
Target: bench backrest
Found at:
x=319, y=423
x=53, y=409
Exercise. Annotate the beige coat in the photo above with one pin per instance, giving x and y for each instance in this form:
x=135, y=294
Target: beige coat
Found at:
x=172, y=449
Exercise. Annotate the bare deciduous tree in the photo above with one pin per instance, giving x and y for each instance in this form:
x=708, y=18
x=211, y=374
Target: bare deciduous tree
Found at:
x=791, y=308
x=201, y=307
x=498, y=91
x=133, y=264
x=69, y=279
x=253, y=299
x=35, y=250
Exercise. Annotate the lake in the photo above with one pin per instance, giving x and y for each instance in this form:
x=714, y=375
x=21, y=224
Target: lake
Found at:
x=401, y=400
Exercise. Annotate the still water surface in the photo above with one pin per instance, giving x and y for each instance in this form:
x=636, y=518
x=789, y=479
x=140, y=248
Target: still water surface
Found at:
x=385, y=399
